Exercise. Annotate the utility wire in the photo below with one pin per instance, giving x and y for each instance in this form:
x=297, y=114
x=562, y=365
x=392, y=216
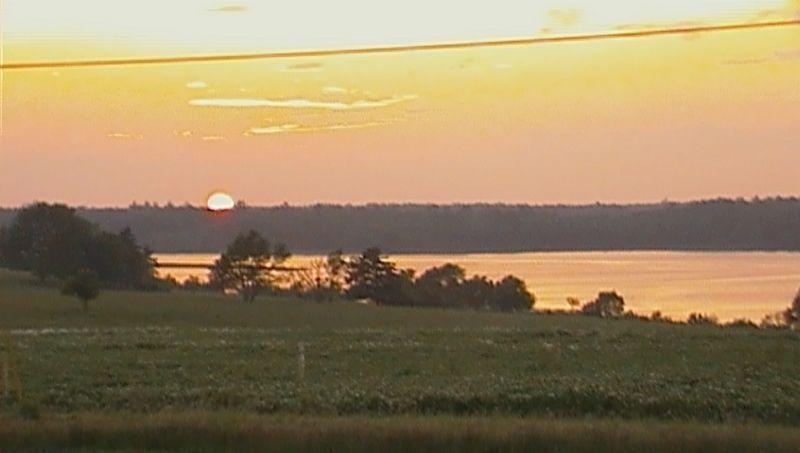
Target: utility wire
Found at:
x=399, y=48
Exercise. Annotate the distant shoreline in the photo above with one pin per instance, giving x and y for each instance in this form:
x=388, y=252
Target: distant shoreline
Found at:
x=719, y=225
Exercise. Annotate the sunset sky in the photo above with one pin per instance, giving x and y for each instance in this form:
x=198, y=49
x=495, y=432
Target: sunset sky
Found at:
x=680, y=117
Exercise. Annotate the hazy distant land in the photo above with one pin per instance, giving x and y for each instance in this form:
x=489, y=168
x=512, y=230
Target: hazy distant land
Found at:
x=721, y=224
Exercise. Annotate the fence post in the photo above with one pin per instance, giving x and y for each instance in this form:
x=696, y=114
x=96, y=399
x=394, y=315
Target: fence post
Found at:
x=301, y=362
x=6, y=364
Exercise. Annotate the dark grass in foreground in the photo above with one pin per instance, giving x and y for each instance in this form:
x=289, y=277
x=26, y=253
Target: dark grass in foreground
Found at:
x=147, y=353
x=246, y=432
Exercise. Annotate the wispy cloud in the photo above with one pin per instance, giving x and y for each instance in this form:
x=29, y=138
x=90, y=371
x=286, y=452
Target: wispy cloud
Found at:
x=275, y=129
x=197, y=84
x=564, y=17
x=303, y=67
x=786, y=55
x=295, y=128
x=124, y=136
x=229, y=9
x=213, y=138
x=301, y=103
x=334, y=90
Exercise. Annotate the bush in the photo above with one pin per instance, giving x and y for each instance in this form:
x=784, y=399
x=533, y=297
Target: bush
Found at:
x=742, y=323
x=700, y=319
x=82, y=285
x=608, y=304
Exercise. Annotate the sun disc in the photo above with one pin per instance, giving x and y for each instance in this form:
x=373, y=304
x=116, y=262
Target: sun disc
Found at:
x=220, y=201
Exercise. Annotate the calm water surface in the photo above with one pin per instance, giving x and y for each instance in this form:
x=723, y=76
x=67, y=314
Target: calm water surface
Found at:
x=730, y=285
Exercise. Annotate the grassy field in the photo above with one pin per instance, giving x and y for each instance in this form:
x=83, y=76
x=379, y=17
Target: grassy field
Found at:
x=196, y=354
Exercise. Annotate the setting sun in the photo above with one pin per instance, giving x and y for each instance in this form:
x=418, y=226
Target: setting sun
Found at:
x=220, y=201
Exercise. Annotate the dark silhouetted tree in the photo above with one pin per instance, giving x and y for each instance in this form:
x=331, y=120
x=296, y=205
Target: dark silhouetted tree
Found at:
x=193, y=284
x=574, y=303
x=511, y=294
x=608, y=304
x=700, y=319
x=83, y=285
x=476, y=292
x=323, y=279
x=247, y=265
x=47, y=240
x=369, y=276
x=441, y=286
x=53, y=241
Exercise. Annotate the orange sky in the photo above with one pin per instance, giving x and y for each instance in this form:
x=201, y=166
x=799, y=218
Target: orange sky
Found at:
x=645, y=119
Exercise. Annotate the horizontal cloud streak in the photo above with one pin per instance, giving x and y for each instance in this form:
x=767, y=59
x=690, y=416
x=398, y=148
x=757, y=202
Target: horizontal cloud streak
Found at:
x=302, y=67
x=197, y=84
x=229, y=9
x=124, y=136
x=285, y=128
x=300, y=103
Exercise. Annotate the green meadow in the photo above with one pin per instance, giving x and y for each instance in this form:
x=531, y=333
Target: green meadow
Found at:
x=153, y=370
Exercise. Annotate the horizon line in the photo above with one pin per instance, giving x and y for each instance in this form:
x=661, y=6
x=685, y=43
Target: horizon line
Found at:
x=244, y=205
x=398, y=48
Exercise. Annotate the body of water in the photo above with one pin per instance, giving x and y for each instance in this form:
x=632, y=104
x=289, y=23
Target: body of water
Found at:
x=728, y=284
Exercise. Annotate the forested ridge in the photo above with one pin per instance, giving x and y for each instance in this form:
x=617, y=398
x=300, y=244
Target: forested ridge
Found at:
x=720, y=224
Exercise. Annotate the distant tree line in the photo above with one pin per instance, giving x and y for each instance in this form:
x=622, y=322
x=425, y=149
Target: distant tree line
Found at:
x=759, y=224
x=249, y=264
x=53, y=242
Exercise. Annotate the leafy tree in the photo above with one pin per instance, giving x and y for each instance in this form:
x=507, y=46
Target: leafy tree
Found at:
x=48, y=240
x=608, y=304
x=574, y=303
x=369, y=276
x=247, y=266
x=118, y=259
x=53, y=241
x=511, y=294
x=441, y=286
x=476, y=293
x=83, y=285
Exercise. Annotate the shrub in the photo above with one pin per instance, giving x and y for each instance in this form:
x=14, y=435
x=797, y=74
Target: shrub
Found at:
x=82, y=285
x=702, y=319
x=741, y=322
x=608, y=304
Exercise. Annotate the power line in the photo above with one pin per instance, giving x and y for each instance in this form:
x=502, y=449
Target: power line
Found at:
x=399, y=48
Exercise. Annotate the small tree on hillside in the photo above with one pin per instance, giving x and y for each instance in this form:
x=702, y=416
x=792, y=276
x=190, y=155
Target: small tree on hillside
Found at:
x=792, y=314
x=574, y=303
x=247, y=265
x=84, y=286
x=608, y=304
